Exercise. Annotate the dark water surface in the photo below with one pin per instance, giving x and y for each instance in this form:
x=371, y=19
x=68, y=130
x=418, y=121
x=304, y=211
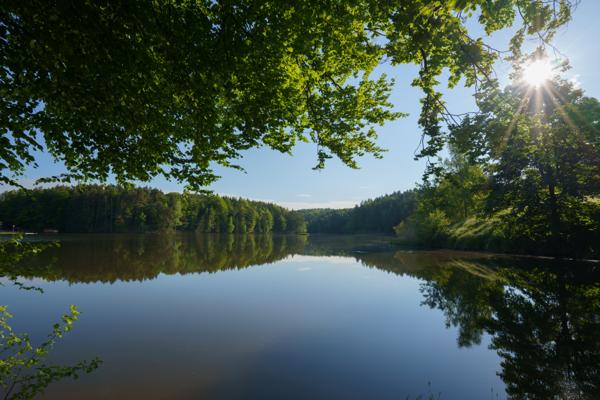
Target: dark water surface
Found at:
x=179, y=316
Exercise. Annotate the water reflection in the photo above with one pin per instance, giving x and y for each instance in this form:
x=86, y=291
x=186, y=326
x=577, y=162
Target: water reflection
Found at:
x=111, y=258
x=542, y=317
x=544, y=322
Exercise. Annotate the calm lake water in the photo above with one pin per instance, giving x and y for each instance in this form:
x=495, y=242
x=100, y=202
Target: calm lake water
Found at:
x=178, y=316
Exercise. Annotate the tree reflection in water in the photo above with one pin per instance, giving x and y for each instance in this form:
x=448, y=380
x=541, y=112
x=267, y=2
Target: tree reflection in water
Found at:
x=111, y=258
x=543, y=317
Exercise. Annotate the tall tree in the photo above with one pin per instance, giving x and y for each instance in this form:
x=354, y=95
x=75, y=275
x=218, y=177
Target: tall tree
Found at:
x=540, y=146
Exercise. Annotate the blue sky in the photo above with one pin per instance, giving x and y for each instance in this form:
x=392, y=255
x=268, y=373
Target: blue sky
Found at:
x=290, y=180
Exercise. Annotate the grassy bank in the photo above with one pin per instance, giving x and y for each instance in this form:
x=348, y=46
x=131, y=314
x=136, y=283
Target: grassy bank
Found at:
x=478, y=233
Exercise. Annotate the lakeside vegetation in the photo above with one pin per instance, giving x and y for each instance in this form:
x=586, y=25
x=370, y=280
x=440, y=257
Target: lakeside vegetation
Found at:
x=526, y=181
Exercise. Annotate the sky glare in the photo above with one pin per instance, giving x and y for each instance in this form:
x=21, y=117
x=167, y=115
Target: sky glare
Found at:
x=290, y=180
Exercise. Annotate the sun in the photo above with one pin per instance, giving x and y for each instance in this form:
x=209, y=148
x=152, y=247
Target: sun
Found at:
x=537, y=72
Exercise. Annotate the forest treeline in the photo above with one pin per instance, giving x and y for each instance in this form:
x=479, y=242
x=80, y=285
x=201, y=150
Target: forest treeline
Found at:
x=378, y=215
x=102, y=208
x=108, y=208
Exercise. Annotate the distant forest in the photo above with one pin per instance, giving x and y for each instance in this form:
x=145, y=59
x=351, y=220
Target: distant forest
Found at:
x=108, y=208
x=379, y=215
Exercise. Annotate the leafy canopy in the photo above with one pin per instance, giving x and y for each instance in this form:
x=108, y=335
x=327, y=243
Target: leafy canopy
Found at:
x=139, y=89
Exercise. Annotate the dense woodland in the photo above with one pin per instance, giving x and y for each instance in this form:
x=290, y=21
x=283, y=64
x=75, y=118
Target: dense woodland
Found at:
x=107, y=208
x=378, y=215
x=100, y=208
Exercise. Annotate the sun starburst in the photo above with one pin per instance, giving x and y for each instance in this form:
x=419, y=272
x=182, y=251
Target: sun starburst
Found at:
x=537, y=73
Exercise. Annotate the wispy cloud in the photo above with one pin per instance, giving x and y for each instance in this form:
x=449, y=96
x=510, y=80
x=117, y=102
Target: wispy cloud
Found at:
x=300, y=258
x=30, y=183
x=300, y=205
x=292, y=205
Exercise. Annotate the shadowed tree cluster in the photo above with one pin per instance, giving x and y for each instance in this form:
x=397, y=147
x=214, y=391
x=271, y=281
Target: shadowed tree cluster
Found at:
x=378, y=215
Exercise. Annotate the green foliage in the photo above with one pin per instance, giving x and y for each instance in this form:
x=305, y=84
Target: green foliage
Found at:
x=138, y=89
x=97, y=208
x=431, y=227
x=453, y=196
x=524, y=173
x=378, y=215
x=485, y=232
x=24, y=372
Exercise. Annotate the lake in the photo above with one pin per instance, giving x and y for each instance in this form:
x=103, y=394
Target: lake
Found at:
x=184, y=316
